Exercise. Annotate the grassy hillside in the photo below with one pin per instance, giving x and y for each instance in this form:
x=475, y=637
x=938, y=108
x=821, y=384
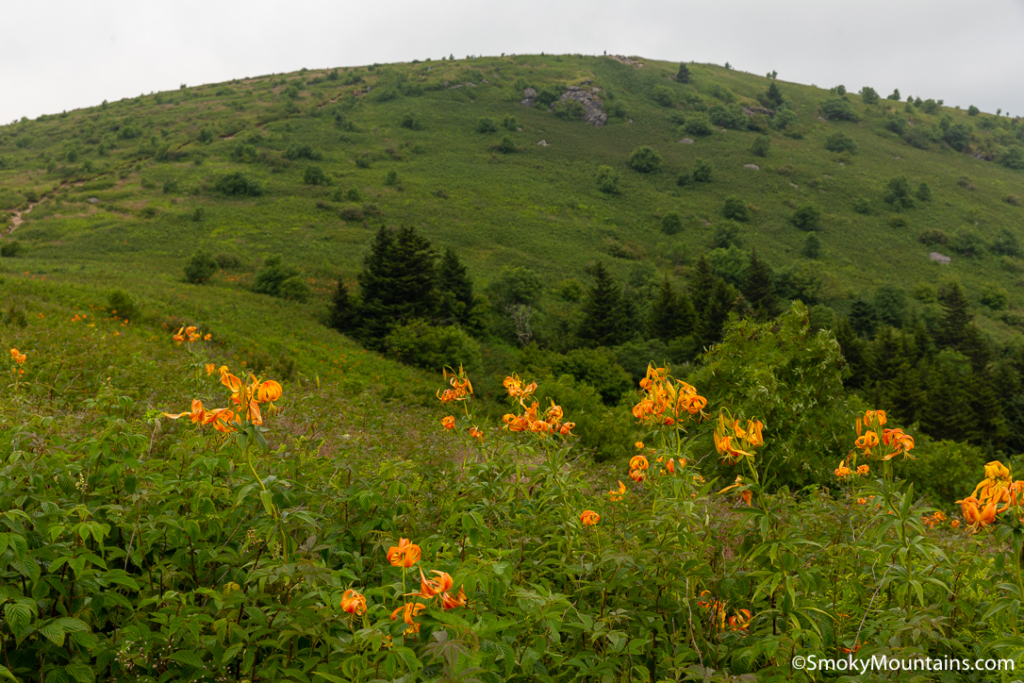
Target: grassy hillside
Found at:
x=152, y=164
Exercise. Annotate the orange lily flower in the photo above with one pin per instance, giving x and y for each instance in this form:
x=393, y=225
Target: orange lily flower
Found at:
x=353, y=602
x=863, y=470
x=638, y=462
x=409, y=611
x=269, y=392
x=867, y=441
x=616, y=496
x=900, y=442
x=448, y=422
x=670, y=466
x=843, y=470
x=450, y=602
x=875, y=415
x=405, y=554
x=210, y=368
x=639, y=445
x=741, y=621
x=589, y=518
x=638, y=476
x=197, y=413
x=476, y=433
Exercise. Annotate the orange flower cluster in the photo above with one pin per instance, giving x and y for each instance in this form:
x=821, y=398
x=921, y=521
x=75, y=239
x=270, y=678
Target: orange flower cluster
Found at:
x=934, y=520
x=615, y=496
x=461, y=389
x=731, y=445
x=589, y=518
x=982, y=506
x=406, y=554
x=870, y=433
x=638, y=466
x=529, y=421
x=843, y=471
x=666, y=402
x=248, y=397
x=188, y=334
x=740, y=621
x=17, y=356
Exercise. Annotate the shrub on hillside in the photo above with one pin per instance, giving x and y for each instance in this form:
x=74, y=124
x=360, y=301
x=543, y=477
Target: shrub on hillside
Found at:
x=506, y=145
x=762, y=145
x=807, y=217
x=840, y=142
x=269, y=278
x=122, y=305
x=699, y=125
x=314, y=175
x=607, y=180
x=429, y=347
x=838, y=109
x=486, y=124
x=663, y=95
x=645, y=160
x=294, y=288
x=295, y=152
x=671, y=223
x=11, y=248
x=958, y=136
x=736, y=209
x=412, y=121
x=933, y=237
x=898, y=193
x=238, y=185
x=702, y=171
x=869, y=95
x=731, y=116
x=200, y=268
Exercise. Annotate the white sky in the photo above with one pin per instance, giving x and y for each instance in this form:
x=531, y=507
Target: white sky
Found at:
x=61, y=54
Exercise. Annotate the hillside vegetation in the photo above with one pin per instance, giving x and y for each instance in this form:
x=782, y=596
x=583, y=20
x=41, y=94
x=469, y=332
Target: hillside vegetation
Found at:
x=677, y=397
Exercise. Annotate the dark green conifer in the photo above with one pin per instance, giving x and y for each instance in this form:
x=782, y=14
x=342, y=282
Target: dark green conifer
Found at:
x=600, y=325
x=759, y=288
x=716, y=314
x=853, y=349
x=952, y=332
x=344, y=315
x=455, y=291
x=862, y=318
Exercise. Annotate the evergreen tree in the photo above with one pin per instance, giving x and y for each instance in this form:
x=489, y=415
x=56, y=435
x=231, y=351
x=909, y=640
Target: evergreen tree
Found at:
x=344, y=316
x=397, y=284
x=716, y=314
x=684, y=74
x=952, y=332
x=774, y=95
x=853, y=349
x=862, y=318
x=455, y=291
x=629, y=318
x=600, y=324
x=702, y=284
x=759, y=288
x=672, y=314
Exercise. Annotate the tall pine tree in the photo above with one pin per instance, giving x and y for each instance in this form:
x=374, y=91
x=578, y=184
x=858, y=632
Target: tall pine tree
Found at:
x=455, y=291
x=600, y=325
x=759, y=288
x=952, y=332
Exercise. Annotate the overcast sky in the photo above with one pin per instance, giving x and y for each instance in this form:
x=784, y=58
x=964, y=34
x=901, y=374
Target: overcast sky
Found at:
x=61, y=54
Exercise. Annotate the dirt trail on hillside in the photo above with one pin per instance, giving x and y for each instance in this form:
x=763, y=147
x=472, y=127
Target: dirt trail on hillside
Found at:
x=17, y=219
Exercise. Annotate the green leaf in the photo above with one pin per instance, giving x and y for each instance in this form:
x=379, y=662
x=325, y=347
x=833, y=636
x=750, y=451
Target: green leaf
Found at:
x=53, y=632
x=330, y=677
x=188, y=658
x=6, y=673
x=82, y=673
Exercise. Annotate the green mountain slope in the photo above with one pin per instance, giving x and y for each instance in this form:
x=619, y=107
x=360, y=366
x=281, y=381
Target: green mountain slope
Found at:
x=122, y=183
